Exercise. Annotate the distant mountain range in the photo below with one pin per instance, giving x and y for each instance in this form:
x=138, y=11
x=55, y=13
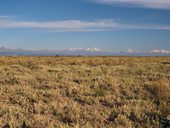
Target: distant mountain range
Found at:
x=80, y=51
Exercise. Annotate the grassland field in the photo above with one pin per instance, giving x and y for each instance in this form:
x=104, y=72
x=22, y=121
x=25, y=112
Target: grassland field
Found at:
x=85, y=92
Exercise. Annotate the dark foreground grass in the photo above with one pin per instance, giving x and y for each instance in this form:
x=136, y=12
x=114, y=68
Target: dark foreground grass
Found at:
x=85, y=92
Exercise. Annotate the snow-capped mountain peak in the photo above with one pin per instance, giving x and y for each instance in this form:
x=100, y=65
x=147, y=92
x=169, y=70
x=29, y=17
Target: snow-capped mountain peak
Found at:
x=93, y=49
x=82, y=51
x=75, y=49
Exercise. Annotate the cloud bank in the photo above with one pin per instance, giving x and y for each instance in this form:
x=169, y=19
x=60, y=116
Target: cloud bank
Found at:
x=156, y=4
x=76, y=25
x=63, y=26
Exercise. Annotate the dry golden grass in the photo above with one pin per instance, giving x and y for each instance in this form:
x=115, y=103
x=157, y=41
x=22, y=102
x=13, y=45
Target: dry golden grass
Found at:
x=85, y=92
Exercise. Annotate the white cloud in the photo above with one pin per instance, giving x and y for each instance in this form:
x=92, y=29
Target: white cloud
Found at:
x=76, y=25
x=157, y=4
x=62, y=26
x=146, y=27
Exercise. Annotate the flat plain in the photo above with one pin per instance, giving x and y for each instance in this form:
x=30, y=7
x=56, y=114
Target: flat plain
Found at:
x=85, y=92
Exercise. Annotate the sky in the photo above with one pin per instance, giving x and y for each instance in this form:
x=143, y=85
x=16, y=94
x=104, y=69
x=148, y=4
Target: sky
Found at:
x=104, y=24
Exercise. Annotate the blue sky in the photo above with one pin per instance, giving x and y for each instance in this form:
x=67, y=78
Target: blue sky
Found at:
x=105, y=24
